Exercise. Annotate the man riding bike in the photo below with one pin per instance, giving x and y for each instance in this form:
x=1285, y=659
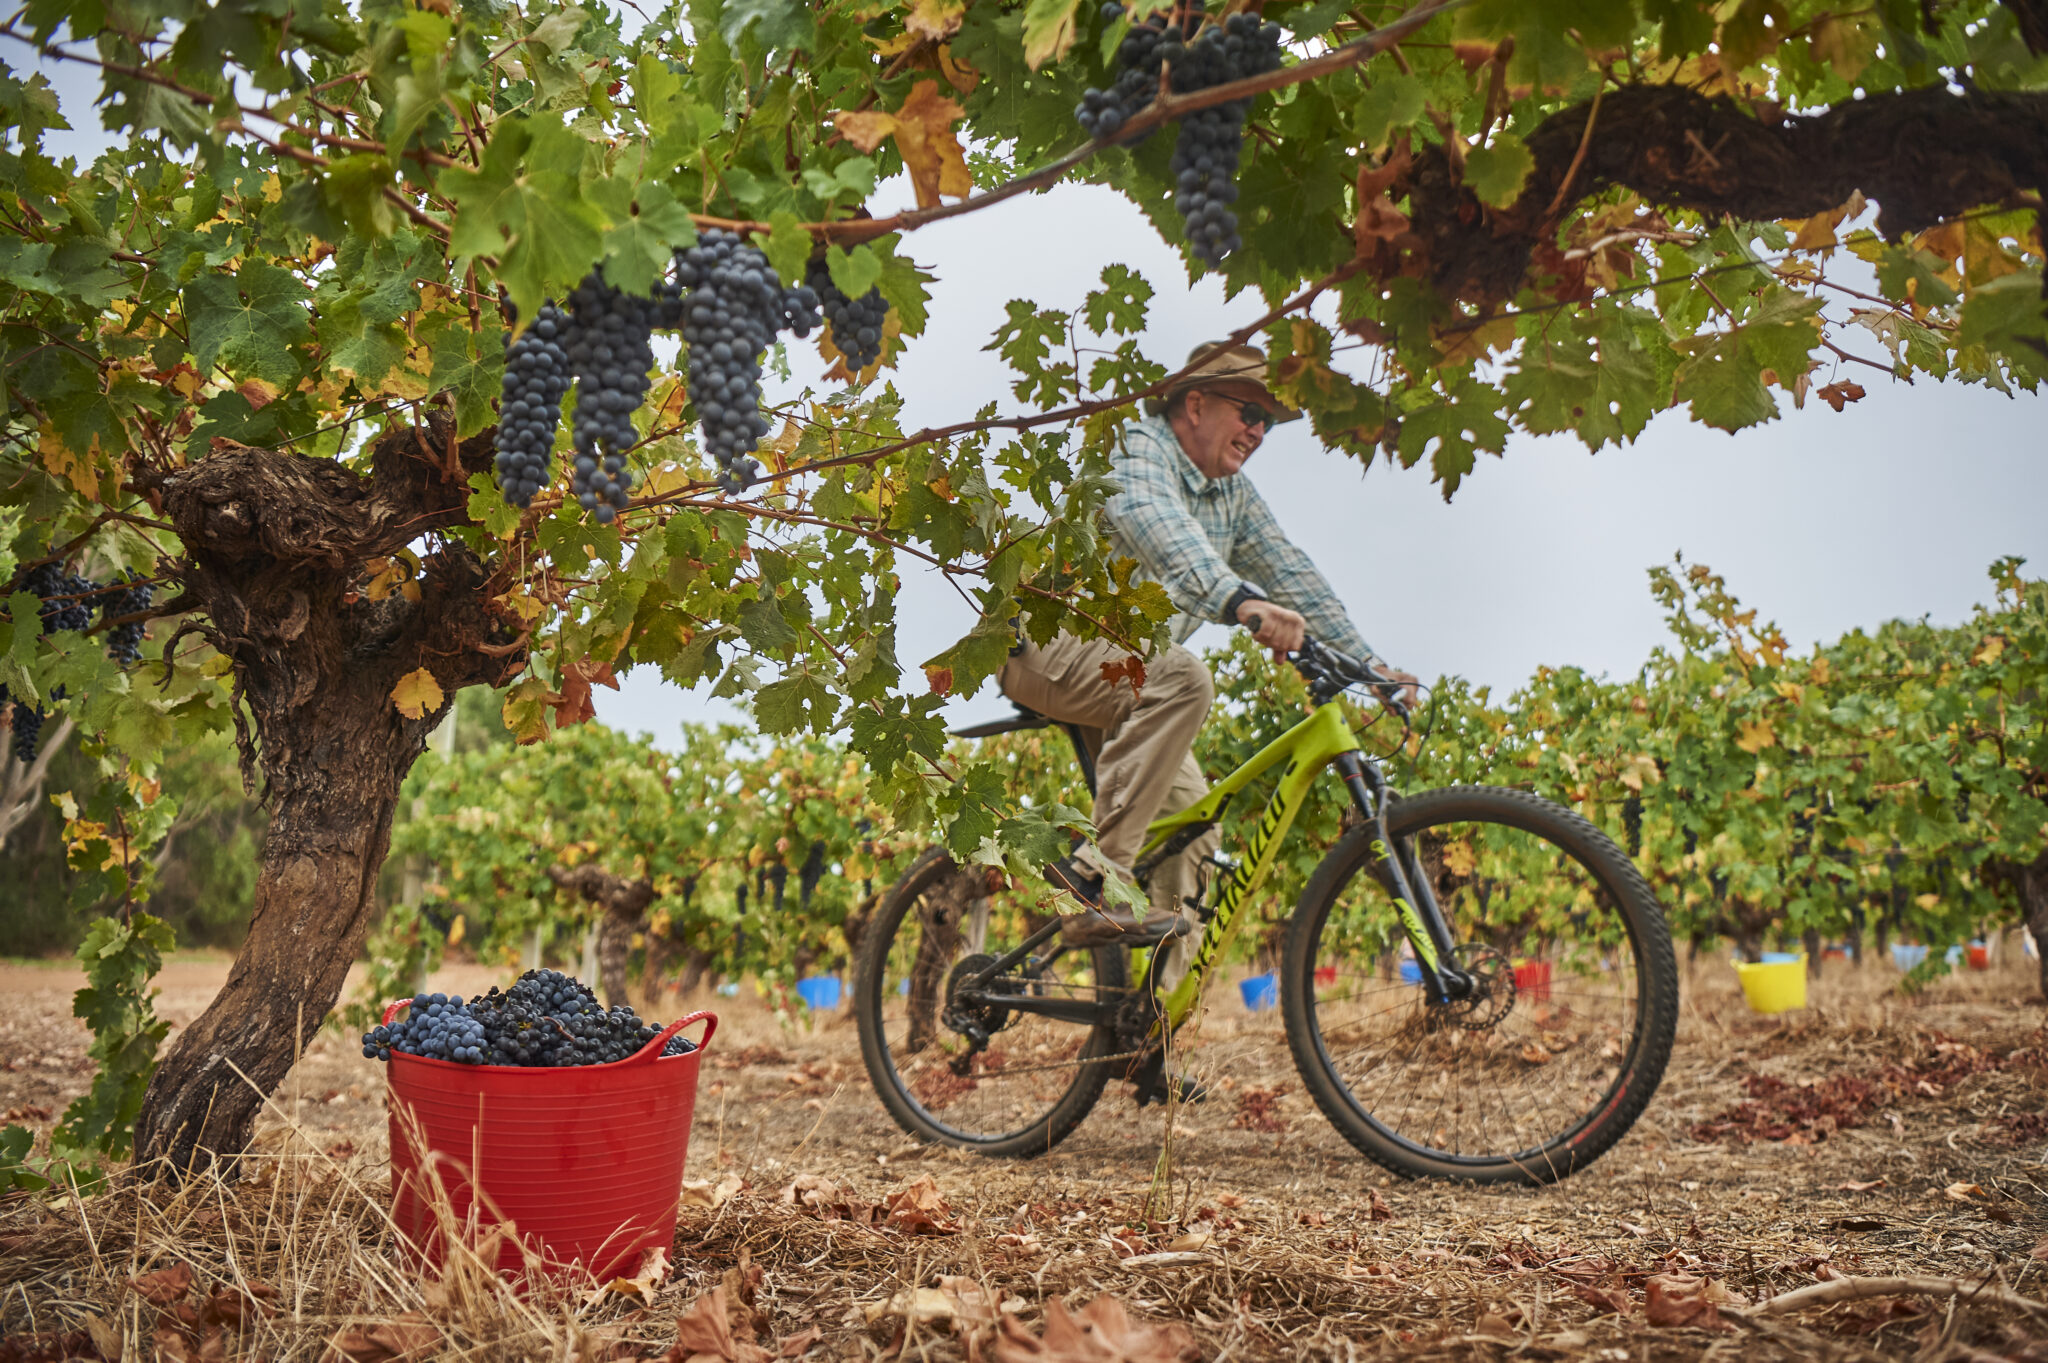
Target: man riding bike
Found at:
x=1206, y=536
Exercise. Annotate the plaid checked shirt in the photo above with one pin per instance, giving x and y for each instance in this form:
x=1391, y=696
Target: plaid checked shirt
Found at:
x=1200, y=538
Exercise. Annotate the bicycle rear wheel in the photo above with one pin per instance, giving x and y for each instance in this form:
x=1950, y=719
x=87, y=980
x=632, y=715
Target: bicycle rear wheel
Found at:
x=1567, y=1034
x=1037, y=1077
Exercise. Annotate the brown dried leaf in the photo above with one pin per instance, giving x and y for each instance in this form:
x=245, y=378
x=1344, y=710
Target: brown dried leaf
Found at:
x=1681, y=1300
x=410, y=1336
x=1840, y=393
x=920, y=1209
x=704, y=1334
x=1101, y=1332
x=574, y=705
x=163, y=1286
x=1865, y=1187
x=1130, y=669
x=1379, y=1211
x=1962, y=1192
x=923, y=129
x=1612, y=1298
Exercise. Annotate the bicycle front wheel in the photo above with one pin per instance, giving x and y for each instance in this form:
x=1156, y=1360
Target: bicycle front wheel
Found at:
x=1023, y=1084
x=1568, y=1028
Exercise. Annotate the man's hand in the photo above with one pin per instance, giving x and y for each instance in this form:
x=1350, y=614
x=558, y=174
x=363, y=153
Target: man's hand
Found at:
x=1273, y=625
x=1410, y=684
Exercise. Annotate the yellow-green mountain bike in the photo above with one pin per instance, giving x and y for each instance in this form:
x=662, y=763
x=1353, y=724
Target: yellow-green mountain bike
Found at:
x=1476, y=982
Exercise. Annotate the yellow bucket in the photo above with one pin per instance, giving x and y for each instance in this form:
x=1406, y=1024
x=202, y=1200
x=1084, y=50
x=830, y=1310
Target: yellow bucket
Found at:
x=1774, y=986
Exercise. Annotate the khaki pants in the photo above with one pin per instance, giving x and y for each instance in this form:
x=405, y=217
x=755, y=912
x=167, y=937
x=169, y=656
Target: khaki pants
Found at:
x=1143, y=749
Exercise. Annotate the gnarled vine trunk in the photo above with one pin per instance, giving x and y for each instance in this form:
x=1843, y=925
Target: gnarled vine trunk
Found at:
x=625, y=908
x=279, y=550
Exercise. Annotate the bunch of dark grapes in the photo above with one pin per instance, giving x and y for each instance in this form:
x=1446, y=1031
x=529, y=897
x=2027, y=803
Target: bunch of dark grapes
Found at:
x=1205, y=157
x=856, y=323
x=437, y=1027
x=28, y=729
x=732, y=309
x=530, y=403
x=67, y=597
x=610, y=354
x=124, y=641
x=1103, y=113
x=1632, y=823
x=67, y=604
x=546, y=1019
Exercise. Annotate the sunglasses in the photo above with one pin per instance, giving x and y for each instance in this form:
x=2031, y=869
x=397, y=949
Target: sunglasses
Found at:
x=1252, y=414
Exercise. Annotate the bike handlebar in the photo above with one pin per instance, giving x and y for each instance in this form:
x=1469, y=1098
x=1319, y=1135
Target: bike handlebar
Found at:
x=1328, y=672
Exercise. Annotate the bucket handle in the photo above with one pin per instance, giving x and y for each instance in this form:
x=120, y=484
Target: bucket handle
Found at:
x=652, y=1050
x=391, y=1009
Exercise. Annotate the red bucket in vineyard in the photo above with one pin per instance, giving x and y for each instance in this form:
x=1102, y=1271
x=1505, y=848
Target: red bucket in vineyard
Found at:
x=1532, y=980
x=582, y=1164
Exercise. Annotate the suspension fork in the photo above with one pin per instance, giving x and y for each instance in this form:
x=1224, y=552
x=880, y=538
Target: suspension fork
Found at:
x=1415, y=900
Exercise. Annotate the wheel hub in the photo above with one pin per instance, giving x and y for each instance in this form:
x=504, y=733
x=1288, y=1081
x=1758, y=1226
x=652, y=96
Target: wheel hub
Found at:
x=1489, y=993
x=980, y=1018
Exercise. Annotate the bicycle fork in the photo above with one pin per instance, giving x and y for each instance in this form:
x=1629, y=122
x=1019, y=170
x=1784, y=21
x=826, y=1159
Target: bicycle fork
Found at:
x=1414, y=899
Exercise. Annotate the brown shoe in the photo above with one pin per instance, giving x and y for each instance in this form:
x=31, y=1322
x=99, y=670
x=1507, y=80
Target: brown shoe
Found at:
x=1098, y=927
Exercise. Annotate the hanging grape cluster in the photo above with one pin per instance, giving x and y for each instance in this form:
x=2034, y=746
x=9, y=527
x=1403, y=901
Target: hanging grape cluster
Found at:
x=856, y=323
x=67, y=604
x=124, y=641
x=734, y=305
x=612, y=350
x=530, y=404
x=1205, y=158
x=546, y=1019
x=730, y=304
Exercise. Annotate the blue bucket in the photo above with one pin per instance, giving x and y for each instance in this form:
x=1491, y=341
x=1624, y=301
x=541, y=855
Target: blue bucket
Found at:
x=1781, y=957
x=1411, y=972
x=1906, y=955
x=819, y=991
x=1260, y=991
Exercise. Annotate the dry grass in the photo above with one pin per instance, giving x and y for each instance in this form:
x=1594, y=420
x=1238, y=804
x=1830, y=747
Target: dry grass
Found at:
x=1905, y=1148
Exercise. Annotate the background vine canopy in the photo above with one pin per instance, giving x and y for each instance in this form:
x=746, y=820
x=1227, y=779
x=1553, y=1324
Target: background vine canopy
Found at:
x=252, y=352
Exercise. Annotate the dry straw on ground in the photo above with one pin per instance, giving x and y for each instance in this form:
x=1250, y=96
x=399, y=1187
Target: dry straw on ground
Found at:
x=1863, y=1180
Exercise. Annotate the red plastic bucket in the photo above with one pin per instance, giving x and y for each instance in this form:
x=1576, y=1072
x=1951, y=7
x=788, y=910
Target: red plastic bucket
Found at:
x=583, y=1164
x=1532, y=980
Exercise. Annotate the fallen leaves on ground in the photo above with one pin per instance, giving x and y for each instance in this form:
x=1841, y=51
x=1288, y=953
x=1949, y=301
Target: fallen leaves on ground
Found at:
x=408, y=1337
x=828, y=1200
x=1379, y=1211
x=1258, y=1110
x=721, y=1328
x=644, y=1284
x=920, y=1208
x=702, y=1192
x=164, y=1285
x=960, y=1304
x=1679, y=1299
x=1100, y=1332
x=1962, y=1192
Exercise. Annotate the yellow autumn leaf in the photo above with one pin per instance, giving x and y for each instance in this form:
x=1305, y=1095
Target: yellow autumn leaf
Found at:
x=416, y=693
x=935, y=20
x=1988, y=651
x=81, y=470
x=1754, y=736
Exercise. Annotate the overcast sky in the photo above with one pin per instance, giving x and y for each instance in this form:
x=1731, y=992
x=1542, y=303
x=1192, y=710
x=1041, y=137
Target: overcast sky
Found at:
x=1823, y=521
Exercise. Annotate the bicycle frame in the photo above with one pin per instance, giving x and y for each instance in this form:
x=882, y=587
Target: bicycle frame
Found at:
x=1323, y=739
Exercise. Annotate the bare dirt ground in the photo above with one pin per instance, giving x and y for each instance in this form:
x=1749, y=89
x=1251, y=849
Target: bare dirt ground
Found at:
x=1872, y=1135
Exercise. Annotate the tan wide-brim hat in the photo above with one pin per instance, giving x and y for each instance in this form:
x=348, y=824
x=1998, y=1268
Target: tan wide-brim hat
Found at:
x=1218, y=365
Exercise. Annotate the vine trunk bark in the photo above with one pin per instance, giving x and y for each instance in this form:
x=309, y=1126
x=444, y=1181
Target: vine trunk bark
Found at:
x=282, y=554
